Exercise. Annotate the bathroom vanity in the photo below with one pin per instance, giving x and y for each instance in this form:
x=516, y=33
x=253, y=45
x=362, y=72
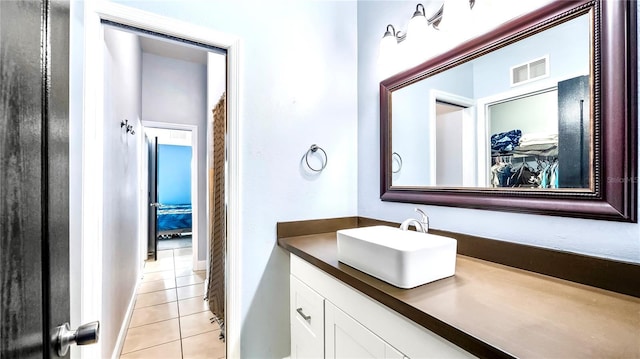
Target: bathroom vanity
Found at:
x=329, y=317
x=485, y=310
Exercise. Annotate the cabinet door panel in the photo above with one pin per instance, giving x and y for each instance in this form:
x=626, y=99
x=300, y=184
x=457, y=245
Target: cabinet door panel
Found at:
x=353, y=344
x=307, y=321
x=391, y=353
x=304, y=345
x=346, y=338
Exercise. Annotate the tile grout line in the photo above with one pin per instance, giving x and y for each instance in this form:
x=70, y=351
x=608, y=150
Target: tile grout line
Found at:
x=175, y=272
x=147, y=348
x=157, y=321
x=177, y=301
x=201, y=333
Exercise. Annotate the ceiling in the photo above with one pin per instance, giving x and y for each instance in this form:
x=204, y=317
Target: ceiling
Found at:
x=173, y=49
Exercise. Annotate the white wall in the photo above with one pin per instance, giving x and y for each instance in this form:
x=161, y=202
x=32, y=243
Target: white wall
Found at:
x=533, y=114
x=411, y=125
x=449, y=150
x=216, y=69
x=606, y=239
x=568, y=57
x=121, y=198
x=175, y=91
x=298, y=87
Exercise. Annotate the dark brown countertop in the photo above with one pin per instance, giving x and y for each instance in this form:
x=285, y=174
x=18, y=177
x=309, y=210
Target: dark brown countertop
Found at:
x=492, y=310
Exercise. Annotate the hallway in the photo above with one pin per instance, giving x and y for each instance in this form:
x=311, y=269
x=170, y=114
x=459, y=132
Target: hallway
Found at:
x=170, y=319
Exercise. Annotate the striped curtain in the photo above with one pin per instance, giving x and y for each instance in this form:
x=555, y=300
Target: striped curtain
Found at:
x=217, y=219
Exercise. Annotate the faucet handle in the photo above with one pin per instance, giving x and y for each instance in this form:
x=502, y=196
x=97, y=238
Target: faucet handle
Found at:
x=425, y=218
x=424, y=221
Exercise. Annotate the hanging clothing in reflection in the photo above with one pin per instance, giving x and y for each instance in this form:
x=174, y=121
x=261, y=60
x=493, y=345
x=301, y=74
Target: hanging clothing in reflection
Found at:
x=524, y=172
x=526, y=160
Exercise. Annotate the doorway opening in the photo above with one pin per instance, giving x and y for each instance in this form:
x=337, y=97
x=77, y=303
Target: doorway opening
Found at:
x=449, y=126
x=175, y=187
x=97, y=298
x=452, y=140
x=163, y=88
x=179, y=83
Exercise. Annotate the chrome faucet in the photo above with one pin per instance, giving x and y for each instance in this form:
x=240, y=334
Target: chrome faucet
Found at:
x=421, y=225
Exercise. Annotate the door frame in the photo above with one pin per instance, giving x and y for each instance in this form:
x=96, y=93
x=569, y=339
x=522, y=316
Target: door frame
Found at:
x=92, y=160
x=483, y=142
x=469, y=128
x=195, y=208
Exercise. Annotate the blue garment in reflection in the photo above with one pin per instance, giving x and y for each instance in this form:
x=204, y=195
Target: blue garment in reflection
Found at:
x=505, y=142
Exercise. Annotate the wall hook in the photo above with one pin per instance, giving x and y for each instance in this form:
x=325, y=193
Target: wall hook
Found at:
x=127, y=126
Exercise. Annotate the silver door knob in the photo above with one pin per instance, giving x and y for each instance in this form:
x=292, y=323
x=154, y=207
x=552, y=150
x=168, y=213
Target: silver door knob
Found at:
x=85, y=334
x=154, y=204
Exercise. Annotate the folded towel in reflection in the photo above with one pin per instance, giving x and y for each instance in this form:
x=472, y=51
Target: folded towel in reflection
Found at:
x=537, y=150
x=529, y=139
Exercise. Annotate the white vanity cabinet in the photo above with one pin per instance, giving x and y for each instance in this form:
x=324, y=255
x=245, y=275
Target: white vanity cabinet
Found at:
x=330, y=319
x=319, y=329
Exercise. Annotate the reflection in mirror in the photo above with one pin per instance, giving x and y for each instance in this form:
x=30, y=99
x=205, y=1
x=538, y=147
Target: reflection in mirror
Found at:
x=530, y=134
x=524, y=141
x=517, y=117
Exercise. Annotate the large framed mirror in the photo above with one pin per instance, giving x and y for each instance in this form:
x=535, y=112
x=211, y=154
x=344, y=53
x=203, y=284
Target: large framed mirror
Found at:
x=538, y=116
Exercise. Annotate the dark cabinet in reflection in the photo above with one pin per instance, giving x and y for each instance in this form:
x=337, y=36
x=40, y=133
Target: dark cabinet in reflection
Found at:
x=574, y=127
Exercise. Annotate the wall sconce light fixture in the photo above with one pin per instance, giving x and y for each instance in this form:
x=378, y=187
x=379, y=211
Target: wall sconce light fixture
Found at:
x=127, y=127
x=418, y=27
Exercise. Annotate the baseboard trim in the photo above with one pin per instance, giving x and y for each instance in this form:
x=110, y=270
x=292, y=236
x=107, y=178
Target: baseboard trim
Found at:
x=125, y=323
x=201, y=265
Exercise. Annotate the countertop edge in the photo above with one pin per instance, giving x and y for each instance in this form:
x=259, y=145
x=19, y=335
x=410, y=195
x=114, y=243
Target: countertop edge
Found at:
x=608, y=274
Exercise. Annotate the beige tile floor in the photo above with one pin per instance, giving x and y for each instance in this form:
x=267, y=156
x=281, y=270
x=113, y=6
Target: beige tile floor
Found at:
x=170, y=318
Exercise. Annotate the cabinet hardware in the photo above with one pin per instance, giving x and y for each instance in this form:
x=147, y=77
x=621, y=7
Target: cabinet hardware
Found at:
x=305, y=317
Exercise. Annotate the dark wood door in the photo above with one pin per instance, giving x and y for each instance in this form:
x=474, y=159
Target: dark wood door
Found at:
x=152, y=243
x=34, y=175
x=574, y=133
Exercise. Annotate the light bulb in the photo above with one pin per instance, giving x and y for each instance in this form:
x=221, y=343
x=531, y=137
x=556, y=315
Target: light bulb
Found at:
x=456, y=15
x=388, y=44
x=417, y=46
x=387, y=51
x=418, y=30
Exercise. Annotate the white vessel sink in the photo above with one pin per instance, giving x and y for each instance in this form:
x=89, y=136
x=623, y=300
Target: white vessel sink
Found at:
x=405, y=259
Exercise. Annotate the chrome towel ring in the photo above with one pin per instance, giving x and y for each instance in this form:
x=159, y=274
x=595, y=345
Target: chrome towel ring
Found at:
x=313, y=149
x=396, y=157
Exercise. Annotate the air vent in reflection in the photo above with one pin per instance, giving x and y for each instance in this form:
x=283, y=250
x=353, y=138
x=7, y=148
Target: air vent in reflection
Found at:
x=530, y=71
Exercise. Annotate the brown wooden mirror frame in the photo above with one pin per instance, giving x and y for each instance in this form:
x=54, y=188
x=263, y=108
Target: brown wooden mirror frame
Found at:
x=614, y=194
